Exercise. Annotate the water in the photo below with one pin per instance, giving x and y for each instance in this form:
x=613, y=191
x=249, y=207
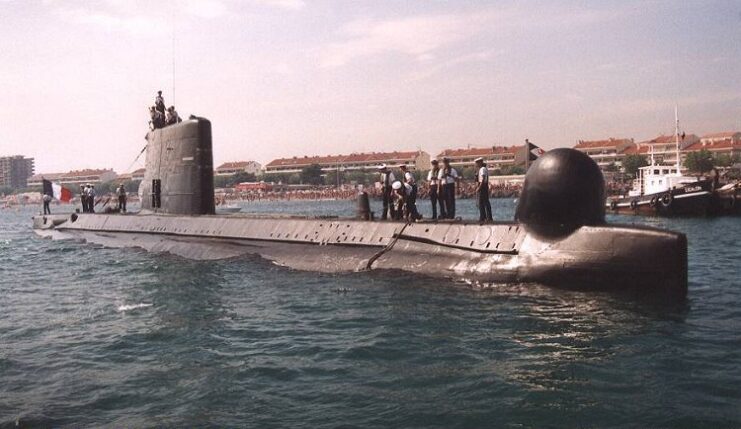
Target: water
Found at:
x=123, y=338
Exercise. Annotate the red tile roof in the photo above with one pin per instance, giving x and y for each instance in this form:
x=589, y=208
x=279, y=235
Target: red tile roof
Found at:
x=479, y=151
x=611, y=142
x=343, y=159
x=716, y=145
x=662, y=139
x=87, y=172
x=721, y=135
x=636, y=149
x=232, y=165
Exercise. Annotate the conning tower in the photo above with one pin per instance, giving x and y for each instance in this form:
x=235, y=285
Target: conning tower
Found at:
x=179, y=176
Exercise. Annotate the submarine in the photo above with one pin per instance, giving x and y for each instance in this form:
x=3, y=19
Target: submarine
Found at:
x=559, y=236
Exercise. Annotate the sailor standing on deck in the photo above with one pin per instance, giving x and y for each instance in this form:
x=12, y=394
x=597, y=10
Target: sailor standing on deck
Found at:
x=83, y=200
x=482, y=190
x=121, y=192
x=448, y=177
x=410, y=184
x=91, y=199
x=435, y=191
x=387, y=179
x=46, y=199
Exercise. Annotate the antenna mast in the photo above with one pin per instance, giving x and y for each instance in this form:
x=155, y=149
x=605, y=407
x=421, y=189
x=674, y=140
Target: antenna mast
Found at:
x=172, y=51
x=676, y=135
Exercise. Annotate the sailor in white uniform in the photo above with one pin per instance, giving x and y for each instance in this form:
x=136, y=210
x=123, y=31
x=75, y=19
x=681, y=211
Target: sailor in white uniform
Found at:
x=435, y=190
x=387, y=179
x=482, y=190
x=448, y=177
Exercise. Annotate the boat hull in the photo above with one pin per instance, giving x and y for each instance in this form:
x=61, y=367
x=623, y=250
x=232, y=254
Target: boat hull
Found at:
x=597, y=258
x=693, y=200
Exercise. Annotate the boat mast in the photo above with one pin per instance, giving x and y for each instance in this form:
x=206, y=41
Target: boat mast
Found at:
x=676, y=135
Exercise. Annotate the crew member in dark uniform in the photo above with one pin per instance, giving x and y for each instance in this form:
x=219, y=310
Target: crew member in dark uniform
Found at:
x=387, y=179
x=121, y=191
x=482, y=191
x=435, y=191
x=46, y=199
x=83, y=198
x=159, y=103
x=91, y=199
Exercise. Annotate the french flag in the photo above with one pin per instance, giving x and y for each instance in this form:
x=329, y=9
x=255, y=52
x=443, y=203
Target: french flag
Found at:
x=57, y=191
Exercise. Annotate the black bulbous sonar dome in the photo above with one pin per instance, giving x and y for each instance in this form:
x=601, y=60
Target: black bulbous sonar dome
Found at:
x=563, y=188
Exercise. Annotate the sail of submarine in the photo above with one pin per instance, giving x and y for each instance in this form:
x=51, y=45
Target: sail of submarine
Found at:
x=559, y=237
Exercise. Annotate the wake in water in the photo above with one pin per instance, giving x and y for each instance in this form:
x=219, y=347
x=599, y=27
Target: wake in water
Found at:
x=127, y=307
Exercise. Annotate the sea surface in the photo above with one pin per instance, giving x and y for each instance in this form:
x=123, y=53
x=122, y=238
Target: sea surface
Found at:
x=96, y=337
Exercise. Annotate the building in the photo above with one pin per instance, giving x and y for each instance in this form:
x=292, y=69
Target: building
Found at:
x=417, y=160
x=231, y=168
x=496, y=157
x=15, y=171
x=733, y=136
x=726, y=143
x=136, y=175
x=606, y=152
x=75, y=177
x=664, y=149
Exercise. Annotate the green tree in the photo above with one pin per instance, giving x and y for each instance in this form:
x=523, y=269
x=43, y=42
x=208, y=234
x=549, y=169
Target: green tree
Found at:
x=699, y=162
x=512, y=170
x=633, y=162
x=611, y=167
x=467, y=173
x=6, y=190
x=240, y=177
x=312, y=175
x=331, y=178
x=723, y=160
x=132, y=186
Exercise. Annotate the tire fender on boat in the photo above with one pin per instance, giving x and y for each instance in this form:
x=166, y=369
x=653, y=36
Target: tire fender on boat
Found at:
x=653, y=201
x=613, y=205
x=634, y=204
x=666, y=199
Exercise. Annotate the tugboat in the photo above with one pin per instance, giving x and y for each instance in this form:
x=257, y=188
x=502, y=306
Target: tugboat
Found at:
x=662, y=190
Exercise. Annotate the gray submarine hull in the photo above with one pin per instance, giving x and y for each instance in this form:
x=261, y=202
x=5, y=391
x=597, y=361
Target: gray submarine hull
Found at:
x=560, y=237
x=608, y=258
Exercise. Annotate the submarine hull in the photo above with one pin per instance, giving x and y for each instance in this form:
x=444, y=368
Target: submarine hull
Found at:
x=614, y=258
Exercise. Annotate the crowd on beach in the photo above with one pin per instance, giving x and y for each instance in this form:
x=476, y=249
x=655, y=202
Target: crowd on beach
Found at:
x=346, y=192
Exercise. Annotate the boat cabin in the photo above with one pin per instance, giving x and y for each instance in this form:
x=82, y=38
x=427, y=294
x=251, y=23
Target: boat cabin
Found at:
x=654, y=179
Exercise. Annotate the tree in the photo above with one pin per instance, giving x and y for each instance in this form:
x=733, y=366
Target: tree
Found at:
x=240, y=177
x=467, y=173
x=331, y=178
x=132, y=186
x=723, y=160
x=611, y=167
x=633, y=162
x=699, y=162
x=6, y=190
x=312, y=175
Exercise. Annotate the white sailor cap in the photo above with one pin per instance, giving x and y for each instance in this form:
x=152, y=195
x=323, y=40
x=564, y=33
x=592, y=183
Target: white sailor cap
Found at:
x=479, y=159
x=382, y=167
x=396, y=185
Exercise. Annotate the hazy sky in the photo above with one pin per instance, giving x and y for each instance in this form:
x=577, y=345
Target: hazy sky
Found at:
x=300, y=77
